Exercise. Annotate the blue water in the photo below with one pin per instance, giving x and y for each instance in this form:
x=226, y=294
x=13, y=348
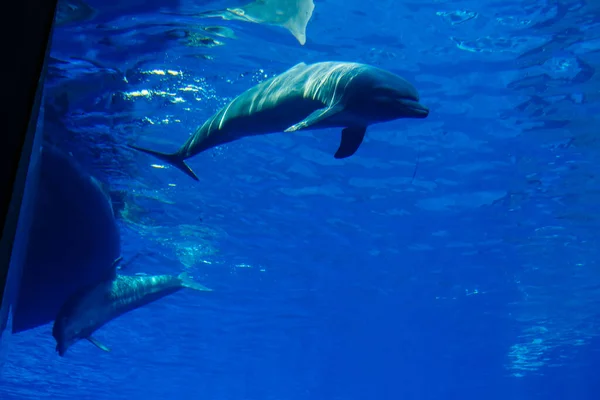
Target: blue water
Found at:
x=451, y=258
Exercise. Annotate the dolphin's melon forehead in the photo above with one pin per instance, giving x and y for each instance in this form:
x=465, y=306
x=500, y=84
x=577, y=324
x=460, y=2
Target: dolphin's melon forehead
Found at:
x=381, y=78
x=408, y=89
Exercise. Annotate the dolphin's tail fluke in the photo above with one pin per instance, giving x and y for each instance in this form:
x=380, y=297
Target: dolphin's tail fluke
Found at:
x=173, y=159
x=188, y=282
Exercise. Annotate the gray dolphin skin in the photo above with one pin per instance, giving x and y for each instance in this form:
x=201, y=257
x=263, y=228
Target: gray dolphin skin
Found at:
x=93, y=307
x=321, y=95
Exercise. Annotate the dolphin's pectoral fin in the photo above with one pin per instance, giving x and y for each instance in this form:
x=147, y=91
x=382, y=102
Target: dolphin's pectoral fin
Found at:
x=315, y=117
x=96, y=343
x=351, y=141
x=123, y=265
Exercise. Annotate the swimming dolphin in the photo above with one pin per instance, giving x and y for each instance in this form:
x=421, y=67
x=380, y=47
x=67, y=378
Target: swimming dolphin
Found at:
x=321, y=95
x=93, y=307
x=72, y=241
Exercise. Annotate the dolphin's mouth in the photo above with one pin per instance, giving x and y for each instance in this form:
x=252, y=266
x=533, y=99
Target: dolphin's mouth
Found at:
x=414, y=108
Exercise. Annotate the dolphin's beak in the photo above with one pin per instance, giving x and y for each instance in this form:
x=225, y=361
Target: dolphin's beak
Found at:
x=415, y=109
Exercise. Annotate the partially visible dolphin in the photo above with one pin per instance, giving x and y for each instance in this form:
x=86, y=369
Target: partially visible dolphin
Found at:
x=72, y=242
x=70, y=11
x=321, y=95
x=292, y=15
x=88, y=310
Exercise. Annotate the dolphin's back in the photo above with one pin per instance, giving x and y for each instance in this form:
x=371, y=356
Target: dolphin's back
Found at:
x=269, y=107
x=292, y=93
x=277, y=103
x=130, y=292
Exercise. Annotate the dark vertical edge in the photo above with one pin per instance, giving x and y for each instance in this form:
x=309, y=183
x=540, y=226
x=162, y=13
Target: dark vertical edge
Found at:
x=25, y=32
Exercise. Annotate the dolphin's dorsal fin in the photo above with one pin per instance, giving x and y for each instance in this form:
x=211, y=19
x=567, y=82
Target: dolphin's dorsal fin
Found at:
x=111, y=273
x=120, y=265
x=117, y=262
x=106, y=276
x=301, y=64
x=96, y=343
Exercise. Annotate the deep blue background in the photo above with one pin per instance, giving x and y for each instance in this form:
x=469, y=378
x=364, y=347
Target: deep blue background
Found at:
x=343, y=279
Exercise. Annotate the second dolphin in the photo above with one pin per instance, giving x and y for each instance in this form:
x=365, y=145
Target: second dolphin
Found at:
x=95, y=306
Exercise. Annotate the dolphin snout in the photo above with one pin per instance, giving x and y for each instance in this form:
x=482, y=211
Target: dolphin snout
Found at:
x=421, y=111
x=415, y=109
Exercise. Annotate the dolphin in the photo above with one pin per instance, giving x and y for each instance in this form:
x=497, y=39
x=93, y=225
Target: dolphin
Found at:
x=315, y=96
x=91, y=308
x=292, y=15
x=72, y=241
